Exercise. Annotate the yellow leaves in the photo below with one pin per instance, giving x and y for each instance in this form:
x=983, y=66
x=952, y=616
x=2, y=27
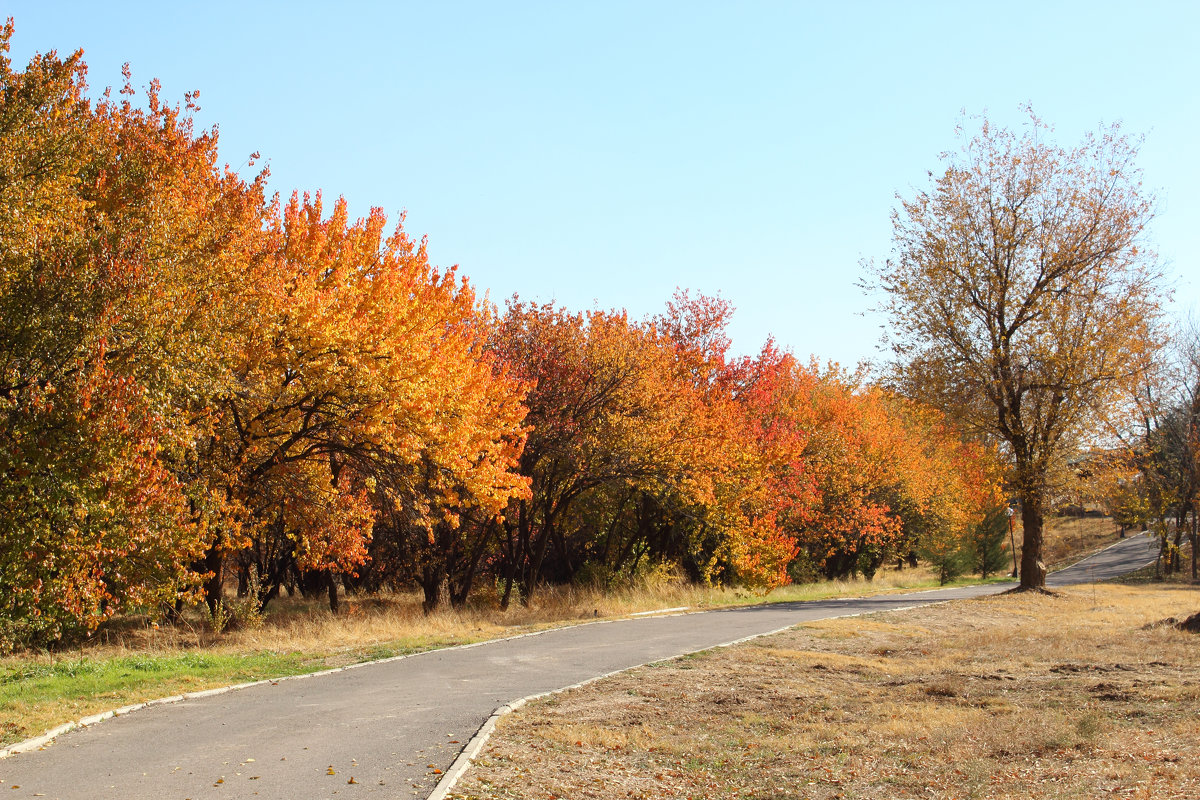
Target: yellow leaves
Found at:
x=1023, y=298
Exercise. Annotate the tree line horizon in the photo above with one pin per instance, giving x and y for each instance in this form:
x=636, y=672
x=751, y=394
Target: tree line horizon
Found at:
x=201, y=382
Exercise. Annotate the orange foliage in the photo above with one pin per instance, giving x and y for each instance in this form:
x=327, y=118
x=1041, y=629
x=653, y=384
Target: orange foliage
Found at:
x=120, y=239
x=852, y=474
x=364, y=361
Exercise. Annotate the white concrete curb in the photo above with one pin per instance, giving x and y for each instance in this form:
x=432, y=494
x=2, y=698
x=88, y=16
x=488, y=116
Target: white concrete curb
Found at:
x=659, y=611
x=473, y=747
x=49, y=736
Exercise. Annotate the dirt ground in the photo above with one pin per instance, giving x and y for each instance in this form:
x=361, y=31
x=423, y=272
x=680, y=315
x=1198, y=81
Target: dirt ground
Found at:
x=1077, y=695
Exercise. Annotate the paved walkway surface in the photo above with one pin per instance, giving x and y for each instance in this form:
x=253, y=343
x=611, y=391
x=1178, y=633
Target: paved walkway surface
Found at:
x=389, y=726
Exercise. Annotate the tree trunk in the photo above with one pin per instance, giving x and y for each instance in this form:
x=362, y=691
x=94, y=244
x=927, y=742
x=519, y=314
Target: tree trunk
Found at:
x=214, y=562
x=506, y=598
x=535, y=572
x=508, y=548
x=1177, y=549
x=243, y=579
x=1195, y=542
x=174, y=612
x=460, y=585
x=1033, y=569
x=333, y=592
x=434, y=587
x=1012, y=540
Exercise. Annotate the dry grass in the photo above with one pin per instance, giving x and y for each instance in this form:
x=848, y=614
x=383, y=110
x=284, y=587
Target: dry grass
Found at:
x=1068, y=539
x=1068, y=696
x=396, y=623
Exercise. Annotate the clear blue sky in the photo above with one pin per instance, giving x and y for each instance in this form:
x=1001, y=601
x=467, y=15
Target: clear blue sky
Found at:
x=604, y=153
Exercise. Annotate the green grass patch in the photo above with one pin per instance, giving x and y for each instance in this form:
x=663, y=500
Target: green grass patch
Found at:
x=39, y=694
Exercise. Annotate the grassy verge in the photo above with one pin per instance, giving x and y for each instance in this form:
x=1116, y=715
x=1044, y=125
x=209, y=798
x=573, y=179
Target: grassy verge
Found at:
x=137, y=659
x=1068, y=696
x=38, y=694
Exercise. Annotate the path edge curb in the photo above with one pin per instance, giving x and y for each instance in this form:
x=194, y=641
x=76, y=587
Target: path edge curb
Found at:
x=472, y=749
x=47, y=738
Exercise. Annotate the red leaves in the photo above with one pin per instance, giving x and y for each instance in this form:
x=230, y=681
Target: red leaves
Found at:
x=850, y=472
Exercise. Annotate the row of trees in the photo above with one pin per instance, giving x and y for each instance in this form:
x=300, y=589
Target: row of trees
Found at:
x=198, y=380
x=190, y=372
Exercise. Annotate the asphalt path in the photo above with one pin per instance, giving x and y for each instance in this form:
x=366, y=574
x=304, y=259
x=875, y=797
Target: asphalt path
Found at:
x=387, y=729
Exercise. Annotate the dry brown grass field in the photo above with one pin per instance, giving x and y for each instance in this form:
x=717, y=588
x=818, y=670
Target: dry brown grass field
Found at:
x=1076, y=695
x=396, y=621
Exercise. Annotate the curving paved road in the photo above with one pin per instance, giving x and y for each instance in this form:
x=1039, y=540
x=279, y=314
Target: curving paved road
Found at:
x=389, y=726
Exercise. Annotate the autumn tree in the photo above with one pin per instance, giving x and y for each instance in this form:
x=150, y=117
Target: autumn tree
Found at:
x=825, y=450
x=1180, y=439
x=120, y=237
x=777, y=487
x=952, y=502
x=614, y=431
x=1162, y=490
x=189, y=373
x=1192, y=397
x=716, y=518
x=361, y=393
x=1022, y=298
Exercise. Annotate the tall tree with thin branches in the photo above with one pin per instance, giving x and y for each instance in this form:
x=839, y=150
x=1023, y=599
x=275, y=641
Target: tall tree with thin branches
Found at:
x=1022, y=297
